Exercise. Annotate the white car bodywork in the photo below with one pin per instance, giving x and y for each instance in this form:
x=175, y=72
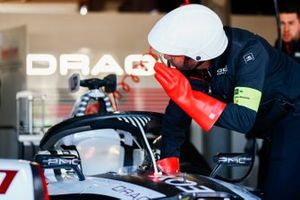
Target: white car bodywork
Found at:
x=17, y=180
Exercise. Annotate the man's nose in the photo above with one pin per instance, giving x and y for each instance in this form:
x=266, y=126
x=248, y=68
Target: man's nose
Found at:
x=285, y=28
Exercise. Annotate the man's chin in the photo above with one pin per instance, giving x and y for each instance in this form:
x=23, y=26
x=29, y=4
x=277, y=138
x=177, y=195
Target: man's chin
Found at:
x=286, y=39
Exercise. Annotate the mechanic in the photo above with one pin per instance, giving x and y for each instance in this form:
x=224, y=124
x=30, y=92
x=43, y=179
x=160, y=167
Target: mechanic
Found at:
x=289, y=15
x=231, y=78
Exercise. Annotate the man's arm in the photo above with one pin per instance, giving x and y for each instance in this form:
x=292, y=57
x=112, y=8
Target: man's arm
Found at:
x=250, y=68
x=175, y=124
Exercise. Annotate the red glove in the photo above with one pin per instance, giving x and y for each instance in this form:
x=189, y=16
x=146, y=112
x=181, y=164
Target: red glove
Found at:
x=169, y=165
x=204, y=109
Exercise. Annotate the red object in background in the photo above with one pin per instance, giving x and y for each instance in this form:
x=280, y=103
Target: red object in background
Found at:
x=92, y=108
x=125, y=86
x=186, y=2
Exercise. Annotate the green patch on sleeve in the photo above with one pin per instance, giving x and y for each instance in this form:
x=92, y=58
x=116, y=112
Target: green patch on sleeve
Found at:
x=247, y=97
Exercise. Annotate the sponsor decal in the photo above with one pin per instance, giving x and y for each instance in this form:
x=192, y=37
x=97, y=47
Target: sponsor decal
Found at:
x=130, y=192
x=248, y=57
x=180, y=183
x=185, y=185
x=60, y=161
x=8, y=177
x=222, y=71
x=235, y=160
x=121, y=189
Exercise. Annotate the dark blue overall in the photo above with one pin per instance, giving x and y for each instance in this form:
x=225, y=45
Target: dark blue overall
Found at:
x=249, y=61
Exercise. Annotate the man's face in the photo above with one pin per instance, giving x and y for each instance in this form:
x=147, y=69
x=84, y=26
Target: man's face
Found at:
x=181, y=62
x=290, y=26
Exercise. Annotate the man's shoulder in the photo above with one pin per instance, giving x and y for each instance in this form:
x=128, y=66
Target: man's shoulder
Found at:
x=240, y=35
x=237, y=30
x=241, y=38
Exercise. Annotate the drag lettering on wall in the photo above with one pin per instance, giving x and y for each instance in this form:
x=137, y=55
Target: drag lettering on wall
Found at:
x=47, y=64
x=6, y=178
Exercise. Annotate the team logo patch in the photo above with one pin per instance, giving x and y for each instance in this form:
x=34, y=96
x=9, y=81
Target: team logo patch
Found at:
x=248, y=57
x=222, y=71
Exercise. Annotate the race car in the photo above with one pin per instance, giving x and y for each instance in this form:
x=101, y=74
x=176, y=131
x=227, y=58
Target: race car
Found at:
x=109, y=156
x=21, y=179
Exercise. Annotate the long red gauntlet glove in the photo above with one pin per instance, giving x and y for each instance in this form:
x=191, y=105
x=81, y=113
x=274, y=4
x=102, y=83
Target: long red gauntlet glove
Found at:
x=204, y=109
x=169, y=165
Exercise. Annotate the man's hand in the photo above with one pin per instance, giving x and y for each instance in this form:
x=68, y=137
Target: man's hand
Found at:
x=173, y=81
x=204, y=109
x=169, y=165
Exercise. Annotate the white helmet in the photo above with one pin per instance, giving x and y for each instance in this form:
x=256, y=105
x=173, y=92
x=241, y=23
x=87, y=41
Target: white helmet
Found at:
x=192, y=30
